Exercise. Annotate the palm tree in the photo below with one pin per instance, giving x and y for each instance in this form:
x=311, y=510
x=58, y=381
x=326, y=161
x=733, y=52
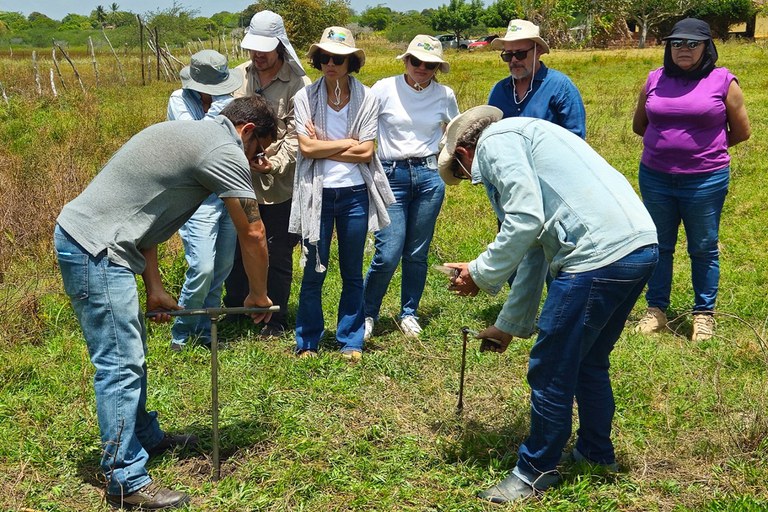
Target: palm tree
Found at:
x=101, y=14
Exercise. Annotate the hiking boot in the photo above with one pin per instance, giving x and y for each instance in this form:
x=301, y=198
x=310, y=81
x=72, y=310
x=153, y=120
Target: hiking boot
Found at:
x=655, y=320
x=149, y=497
x=703, y=326
x=410, y=326
x=172, y=441
x=353, y=356
x=368, y=328
x=303, y=354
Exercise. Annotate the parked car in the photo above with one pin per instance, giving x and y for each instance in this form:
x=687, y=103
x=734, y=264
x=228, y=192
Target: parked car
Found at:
x=449, y=41
x=483, y=42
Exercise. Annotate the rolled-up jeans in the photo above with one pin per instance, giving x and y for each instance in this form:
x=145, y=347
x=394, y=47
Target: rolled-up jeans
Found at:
x=580, y=322
x=105, y=299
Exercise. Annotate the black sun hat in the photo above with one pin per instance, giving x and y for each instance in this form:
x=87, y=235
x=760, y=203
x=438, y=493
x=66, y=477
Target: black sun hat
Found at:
x=690, y=28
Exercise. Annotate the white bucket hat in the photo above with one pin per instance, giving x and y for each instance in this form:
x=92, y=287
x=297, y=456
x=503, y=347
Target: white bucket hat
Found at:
x=456, y=129
x=519, y=30
x=265, y=32
x=426, y=49
x=337, y=41
x=208, y=73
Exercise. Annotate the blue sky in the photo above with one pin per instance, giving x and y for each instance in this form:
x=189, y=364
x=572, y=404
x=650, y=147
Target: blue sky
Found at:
x=57, y=9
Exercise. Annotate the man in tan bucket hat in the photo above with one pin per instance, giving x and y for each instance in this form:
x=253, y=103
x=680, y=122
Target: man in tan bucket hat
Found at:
x=533, y=89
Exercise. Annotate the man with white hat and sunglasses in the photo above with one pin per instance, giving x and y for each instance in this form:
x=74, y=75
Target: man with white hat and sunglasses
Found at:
x=275, y=72
x=533, y=89
x=564, y=211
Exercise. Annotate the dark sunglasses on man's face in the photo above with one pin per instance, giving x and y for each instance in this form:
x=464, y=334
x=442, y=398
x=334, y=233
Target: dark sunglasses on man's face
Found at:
x=337, y=59
x=506, y=56
x=678, y=43
x=431, y=66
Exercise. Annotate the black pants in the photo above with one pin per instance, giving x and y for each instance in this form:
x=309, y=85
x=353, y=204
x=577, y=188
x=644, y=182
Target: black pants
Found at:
x=280, y=246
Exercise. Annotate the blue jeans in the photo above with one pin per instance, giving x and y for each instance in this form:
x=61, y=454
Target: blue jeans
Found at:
x=419, y=193
x=696, y=200
x=581, y=320
x=209, y=238
x=106, y=302
x=347, y=208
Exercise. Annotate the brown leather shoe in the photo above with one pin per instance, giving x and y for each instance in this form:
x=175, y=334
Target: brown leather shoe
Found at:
x=149, y=497
x=171, y=441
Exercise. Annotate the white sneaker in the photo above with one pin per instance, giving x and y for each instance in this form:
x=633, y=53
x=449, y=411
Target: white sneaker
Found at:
x=410, y=327
x=703, y=327
x=368, y=328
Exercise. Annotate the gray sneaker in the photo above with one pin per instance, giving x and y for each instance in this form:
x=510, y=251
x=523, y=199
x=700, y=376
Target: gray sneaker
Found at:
x=368, y=328
x=149, y=497
x=515, y=488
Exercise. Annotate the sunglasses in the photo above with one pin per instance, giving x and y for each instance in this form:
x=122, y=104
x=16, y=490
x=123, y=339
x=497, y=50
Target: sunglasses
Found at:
x=678, y=43
x=519, y=54
x=431, y=66
x=338, y=60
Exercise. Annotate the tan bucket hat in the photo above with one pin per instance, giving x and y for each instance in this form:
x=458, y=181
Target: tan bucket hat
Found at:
x=456, y=129
x=426, y=49
x=337, y=41
x=519, y=30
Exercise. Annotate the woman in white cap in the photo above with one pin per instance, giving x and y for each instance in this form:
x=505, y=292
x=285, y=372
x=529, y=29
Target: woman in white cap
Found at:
x=414, y=109
x=209, y=236
x=339, y=180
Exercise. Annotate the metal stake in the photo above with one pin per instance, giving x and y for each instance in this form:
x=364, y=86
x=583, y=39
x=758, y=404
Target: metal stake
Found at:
x=460, y=405
x=215, y=315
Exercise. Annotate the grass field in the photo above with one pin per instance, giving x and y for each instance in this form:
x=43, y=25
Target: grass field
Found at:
x=322, y=435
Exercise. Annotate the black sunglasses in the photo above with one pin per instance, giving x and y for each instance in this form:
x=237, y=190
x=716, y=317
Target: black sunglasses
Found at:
x=519, y=54
x=678, y=43
x=337, y=59
x=431, y=66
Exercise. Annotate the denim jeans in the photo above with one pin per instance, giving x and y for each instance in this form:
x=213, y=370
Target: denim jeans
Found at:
x=419, y=194
x=105, y=299
x=209, y=238
x=581, y=320
x=280, y=244
x=696, y=200
x=347, y=208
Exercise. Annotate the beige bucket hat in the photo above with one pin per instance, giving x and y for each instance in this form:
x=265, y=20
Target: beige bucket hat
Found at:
x=519, y=30
x=337, y=41
x=426, y=49
x=456, y=129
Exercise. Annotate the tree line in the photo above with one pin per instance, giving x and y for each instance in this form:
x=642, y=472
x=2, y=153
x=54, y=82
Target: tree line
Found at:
x=573, y=23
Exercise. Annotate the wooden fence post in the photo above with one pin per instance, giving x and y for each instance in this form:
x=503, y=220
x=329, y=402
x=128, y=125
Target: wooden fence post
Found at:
x=119, y=65
x=58, y=70
x=53, y=84
x=141, y=48
x=93, y=59
x=37, y=74
x=64, y=53
x=5, y=98
x=157, y=53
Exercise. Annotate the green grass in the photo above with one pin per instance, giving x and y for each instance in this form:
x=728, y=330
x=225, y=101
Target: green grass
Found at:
x=319, y=434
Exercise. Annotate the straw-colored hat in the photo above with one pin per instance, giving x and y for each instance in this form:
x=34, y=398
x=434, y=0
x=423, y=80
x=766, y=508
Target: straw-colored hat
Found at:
x=456, y=129
x=208, y=73
x=337, y=41
x=520, y=30
x=426, y=49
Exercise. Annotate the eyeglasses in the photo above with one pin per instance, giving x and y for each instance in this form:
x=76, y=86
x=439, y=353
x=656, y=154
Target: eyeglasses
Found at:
x=678, y=43
x=459, y=171
x=337, y=59
x=518, y=54
x=431, y=66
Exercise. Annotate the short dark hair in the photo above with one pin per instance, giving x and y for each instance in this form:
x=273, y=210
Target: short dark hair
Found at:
x=353, y=60
x=252, y=109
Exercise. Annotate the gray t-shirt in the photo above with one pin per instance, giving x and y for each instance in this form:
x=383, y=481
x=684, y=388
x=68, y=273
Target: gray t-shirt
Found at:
x=153, y=184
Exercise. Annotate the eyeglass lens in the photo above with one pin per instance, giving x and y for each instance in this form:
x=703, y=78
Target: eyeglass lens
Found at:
x=678, y=43
x=417, y=63
x=519, y=54
x=337, y=59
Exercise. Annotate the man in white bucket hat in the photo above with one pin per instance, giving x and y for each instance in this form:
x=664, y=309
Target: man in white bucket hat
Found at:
x=275, y=72
x=533, y=89
x=564, y=211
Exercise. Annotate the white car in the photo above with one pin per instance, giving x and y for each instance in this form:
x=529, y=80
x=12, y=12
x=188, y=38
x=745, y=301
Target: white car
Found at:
x=449, y=41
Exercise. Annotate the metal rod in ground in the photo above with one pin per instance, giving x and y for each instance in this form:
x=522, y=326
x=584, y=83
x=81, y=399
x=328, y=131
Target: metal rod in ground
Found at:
x=215, y=397
x=460, y=405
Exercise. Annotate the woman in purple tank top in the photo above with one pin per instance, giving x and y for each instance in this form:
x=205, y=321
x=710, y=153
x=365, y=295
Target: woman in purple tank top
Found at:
x=689, y=113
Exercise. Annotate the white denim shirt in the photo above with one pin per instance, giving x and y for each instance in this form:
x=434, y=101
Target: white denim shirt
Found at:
x=562, y=207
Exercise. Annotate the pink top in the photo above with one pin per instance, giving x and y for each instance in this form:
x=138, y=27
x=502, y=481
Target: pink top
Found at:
x=687, y=127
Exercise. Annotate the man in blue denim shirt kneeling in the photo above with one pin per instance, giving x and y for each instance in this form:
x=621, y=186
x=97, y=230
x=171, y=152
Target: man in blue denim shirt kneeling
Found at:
x=566, y=211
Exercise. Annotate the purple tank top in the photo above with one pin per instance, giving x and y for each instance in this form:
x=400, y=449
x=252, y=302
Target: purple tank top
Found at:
x=687, y=128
